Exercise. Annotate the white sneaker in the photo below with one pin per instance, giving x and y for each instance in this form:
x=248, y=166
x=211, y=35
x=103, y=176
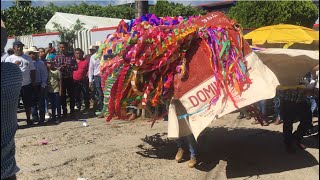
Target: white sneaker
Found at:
x=47, y=116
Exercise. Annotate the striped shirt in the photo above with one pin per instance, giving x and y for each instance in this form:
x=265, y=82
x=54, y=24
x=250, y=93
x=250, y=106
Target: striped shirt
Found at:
x=11, y=79
x=292, y=94
x=41, y=73
x=70, y=64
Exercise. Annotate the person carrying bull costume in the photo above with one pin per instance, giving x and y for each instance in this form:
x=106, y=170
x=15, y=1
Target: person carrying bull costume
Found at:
x=294, y=106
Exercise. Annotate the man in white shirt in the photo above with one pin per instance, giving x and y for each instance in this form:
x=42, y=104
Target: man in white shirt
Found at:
x=4, y=56
x=95, y=79
x=28, y=76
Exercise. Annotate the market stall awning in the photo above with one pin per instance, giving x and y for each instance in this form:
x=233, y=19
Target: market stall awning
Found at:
x=283, y=34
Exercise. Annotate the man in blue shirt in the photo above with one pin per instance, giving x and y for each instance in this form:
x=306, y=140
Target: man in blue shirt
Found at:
x=38, y=94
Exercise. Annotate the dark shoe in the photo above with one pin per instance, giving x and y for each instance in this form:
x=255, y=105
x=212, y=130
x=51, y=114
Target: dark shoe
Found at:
x=65, y=112
x=57, y=121
x=313, y=131
x=29, y=122
x=72, y=115
x=85, y=110
x=35, y=119
x=241, y=116
x=64, y=115
x=41, y=123
x=52, y=120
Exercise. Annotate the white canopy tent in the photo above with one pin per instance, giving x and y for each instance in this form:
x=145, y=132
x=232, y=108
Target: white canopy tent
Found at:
x=68, y=20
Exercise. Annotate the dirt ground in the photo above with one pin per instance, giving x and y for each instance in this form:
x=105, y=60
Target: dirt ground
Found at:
x=229, y=149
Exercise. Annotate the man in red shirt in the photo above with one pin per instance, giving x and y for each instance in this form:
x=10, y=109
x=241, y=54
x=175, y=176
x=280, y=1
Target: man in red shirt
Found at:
x=80, y=78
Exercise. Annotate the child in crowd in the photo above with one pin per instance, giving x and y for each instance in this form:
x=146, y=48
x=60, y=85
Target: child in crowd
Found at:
x=54, y=90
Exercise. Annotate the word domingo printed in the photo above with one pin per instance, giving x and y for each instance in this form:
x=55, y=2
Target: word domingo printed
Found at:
x=202, y=95
x=208, y=18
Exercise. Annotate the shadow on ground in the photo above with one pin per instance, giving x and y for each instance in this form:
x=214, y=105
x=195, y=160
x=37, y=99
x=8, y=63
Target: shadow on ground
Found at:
x=161, y=148
x=248, y=152
x=78, y=116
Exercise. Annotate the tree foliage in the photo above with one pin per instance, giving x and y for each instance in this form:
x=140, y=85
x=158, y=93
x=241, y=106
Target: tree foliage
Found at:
x=121, y=11
x=255, y=14
x=24, y=19
x=69, y=35
x=165, y=8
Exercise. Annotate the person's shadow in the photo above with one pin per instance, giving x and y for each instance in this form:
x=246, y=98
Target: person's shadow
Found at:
x=248, y=152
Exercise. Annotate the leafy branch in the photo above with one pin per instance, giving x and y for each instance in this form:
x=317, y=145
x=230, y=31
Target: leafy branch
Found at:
x=69, y=35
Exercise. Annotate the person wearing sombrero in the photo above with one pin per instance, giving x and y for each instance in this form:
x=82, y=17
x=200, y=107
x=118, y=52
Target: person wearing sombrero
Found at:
x=38, y=95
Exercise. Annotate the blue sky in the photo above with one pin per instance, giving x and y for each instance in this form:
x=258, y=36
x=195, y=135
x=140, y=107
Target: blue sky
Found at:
x=8, y=3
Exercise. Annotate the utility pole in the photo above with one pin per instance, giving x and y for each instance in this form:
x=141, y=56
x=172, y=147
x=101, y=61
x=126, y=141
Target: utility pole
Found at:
x=141, y=7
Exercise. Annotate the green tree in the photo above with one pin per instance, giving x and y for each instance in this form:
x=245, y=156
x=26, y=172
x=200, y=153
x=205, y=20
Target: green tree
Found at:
x=165, y=8
x=23, y=19
x=23, y=3
x=255, y=14
x=69, y=35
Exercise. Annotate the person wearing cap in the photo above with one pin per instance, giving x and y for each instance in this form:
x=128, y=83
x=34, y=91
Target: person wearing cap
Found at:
x=28, y=73
x=95, y=78
x=38, y=95
x=11, y=79
x=66, y=63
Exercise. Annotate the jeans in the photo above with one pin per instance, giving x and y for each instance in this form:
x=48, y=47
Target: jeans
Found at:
x=290, y=111
x=81, y=87
x=38, y=103
x=313, y=104
x=188, y=142
x=262, y=106
x=276, y=102
x=55, y=105
x=67, y=87
x=46, y=104
x=98, y=91
x=26, y=94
